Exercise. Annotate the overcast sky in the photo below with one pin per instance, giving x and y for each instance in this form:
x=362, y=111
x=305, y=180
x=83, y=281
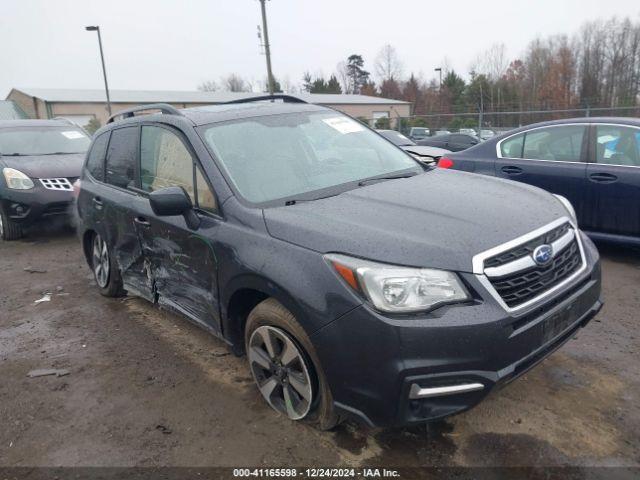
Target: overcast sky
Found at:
x=175, y=45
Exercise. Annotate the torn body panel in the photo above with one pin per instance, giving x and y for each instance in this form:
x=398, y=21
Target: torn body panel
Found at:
x=183, y=268
x=120, y=211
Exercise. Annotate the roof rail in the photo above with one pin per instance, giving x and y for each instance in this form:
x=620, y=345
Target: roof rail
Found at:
x=165, y=108
x=277, y=96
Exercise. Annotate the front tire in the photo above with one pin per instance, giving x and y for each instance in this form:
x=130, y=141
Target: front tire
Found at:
x=285, y=366
x=105, y=270
x=9, y=230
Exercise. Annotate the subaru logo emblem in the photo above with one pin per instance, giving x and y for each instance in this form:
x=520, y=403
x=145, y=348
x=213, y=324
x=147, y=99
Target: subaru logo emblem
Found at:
x=543, y=254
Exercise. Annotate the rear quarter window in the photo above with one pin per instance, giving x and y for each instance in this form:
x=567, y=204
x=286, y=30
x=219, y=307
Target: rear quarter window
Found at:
x=512, y=147
x=95, y=159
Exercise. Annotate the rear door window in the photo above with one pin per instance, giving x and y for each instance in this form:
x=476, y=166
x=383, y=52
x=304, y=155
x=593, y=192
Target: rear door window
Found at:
x=617, y=145
x=554, y=143
x=95, y=159
x=121, y=157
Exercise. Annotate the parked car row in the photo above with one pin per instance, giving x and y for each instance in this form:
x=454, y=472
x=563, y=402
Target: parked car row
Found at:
x=454, y=142
x=420, y=134
x=425, y=154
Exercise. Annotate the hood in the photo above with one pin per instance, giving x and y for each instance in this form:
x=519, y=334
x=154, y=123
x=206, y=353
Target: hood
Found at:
x=425, y=151
x=438, y=219
x=46, y=166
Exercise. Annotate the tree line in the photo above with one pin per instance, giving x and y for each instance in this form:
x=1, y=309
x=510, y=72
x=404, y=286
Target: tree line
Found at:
x=597, y=67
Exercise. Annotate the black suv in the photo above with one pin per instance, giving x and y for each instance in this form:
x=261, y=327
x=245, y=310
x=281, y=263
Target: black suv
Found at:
x=39, y=162
x=358, y=281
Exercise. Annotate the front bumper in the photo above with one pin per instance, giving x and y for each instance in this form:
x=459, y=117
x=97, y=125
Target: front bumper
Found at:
x=27, y=206
x=377, y=366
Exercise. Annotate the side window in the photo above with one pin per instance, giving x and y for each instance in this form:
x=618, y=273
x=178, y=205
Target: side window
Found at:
x=165, y=161
x=554, y=143
x=617, y=145
x=512, y=147
x=121, y=156
x=95, y=159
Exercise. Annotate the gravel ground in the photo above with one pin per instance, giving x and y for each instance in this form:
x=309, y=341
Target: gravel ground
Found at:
x=146, y=388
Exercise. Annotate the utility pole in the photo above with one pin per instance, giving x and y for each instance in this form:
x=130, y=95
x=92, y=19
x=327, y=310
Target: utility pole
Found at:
x=267, y=51
x=439, y=70
x=481, y=111
x=104, y=70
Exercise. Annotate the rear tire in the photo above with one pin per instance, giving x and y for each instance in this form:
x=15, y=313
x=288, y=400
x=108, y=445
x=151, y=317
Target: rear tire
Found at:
x=9, y=230
x=270, y=318
x=105, y=269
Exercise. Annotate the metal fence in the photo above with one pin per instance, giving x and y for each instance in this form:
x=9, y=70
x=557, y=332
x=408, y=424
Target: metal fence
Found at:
x=497, y=122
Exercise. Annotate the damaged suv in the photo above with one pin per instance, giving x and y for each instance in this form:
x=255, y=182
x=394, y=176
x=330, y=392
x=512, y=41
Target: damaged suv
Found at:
x=358, y=282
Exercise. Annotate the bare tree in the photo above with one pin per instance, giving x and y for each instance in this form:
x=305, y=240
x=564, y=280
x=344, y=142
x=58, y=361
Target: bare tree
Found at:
x=343, y=76
x=387, y=64
x=235, y=83
x=208, y=86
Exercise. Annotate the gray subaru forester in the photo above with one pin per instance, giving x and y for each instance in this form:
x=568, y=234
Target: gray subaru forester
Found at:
x=357, y=281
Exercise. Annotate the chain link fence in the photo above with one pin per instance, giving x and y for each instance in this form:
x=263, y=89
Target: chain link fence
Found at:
x=491, y=123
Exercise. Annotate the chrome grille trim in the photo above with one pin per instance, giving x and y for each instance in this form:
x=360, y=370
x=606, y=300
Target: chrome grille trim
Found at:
x=527, y=262
x=61, y=184
x=481, y=274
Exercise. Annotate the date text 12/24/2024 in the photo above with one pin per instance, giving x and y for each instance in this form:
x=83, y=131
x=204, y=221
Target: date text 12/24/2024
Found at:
x=315, y=473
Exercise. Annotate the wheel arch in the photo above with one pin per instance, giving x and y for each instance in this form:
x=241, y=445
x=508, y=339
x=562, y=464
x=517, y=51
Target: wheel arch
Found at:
x=241, y=296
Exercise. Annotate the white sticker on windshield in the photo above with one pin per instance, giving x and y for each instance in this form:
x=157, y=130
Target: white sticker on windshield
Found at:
x=343, y=124
x=72, y=134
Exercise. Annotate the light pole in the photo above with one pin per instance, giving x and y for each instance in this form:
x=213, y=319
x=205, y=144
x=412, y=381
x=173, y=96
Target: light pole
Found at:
x=104, y=70
x=439, y=70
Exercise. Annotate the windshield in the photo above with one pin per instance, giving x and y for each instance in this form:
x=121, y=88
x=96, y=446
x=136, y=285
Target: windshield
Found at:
x=290, y=155
x=397, y=138
x=42, y=140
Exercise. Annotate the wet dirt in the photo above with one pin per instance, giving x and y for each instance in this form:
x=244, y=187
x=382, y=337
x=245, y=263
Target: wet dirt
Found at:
x=147, y=388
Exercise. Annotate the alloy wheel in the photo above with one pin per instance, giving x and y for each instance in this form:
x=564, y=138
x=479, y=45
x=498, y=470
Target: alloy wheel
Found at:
x=280, y=370
x=101, y=264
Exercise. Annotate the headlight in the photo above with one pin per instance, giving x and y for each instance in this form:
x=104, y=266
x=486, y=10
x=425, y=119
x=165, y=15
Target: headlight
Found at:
x=17, y=180
x=399, y=289
x=567, y=205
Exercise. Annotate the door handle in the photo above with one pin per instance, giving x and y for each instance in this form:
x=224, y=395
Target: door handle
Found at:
x=511, y=170
x=601, y=177
x=142, y=221
x=98, y=202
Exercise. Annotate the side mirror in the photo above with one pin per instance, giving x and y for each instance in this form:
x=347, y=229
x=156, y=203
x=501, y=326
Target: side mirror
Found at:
x=173, y=201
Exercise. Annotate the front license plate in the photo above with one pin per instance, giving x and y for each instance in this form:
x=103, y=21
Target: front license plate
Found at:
x=559, y=322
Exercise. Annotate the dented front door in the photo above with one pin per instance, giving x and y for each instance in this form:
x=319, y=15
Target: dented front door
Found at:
x=183, y=266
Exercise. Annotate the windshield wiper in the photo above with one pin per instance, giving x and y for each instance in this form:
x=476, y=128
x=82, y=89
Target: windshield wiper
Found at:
x=362, y=183
x=302, y=200
x=13, y=155
x=61, y=153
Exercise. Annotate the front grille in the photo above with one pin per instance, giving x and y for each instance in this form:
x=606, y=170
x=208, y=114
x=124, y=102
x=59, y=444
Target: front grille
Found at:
x=527, y=248
x=518, y=287
x=63, y=184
